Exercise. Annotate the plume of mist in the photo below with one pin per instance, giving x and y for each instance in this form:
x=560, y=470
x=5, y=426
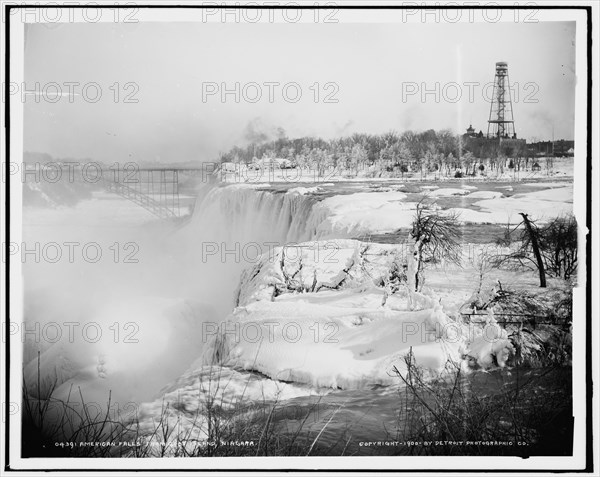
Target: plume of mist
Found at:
x=258, y=132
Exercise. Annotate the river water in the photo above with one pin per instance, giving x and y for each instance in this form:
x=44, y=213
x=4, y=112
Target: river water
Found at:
x=381, y=420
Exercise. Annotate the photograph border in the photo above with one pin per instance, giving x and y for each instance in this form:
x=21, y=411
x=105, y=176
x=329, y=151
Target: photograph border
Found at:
x=588, y=246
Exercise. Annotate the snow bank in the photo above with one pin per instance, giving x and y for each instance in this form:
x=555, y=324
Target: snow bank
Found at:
x=491, y=345
x=339, y=324
x=202, y=386
x=303, y=190
x=541, y=205
x=325, y=323
x=231, y=396
x=362, y=213
x=366, y=213
x=448, y=192
x=316, y=266
x=546, y=184
x=486, y=194
x=343, y=339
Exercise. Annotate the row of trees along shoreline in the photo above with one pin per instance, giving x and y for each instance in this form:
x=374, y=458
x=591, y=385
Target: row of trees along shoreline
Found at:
x=428, y=151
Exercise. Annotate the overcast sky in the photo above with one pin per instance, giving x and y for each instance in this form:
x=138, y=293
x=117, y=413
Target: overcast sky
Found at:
x=366, y=67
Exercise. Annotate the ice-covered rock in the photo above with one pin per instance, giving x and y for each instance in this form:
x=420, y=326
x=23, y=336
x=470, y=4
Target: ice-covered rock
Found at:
x=316, y=266
x=310, y=320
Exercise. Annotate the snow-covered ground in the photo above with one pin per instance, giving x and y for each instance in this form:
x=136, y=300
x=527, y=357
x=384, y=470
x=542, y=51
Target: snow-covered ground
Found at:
x=542, y=205
x=365, y=213
x=181, y=408
x=326, y=319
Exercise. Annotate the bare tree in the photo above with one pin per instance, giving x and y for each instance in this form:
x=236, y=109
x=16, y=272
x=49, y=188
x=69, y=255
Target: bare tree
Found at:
x=482, y=261
x=558, y=242
x=532, y=237
x=551, y=249
x=435, y=237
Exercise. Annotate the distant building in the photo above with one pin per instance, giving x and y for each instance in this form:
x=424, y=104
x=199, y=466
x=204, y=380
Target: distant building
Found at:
x=540, y=148
x=558, y=148
x=482, y=146
x=564, y=148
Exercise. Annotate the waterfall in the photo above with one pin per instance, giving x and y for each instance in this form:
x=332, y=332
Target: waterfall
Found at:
x=182, y=280
x=230, y=228
x=237, y=213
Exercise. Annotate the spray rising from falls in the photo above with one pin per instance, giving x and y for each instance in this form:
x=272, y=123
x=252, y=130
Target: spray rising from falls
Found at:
x=150, y=315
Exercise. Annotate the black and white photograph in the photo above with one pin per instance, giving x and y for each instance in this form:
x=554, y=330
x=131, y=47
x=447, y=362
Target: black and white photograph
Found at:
x=299, y=237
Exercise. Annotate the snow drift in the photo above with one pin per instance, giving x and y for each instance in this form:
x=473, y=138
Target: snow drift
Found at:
x=331, y=321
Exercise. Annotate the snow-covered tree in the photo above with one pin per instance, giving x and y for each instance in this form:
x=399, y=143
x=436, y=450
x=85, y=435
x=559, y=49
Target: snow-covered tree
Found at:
x=434, y=236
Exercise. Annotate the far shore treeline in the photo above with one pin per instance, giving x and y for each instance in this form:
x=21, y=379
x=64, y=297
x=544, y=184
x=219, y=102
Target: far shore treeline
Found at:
x=400, y=152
